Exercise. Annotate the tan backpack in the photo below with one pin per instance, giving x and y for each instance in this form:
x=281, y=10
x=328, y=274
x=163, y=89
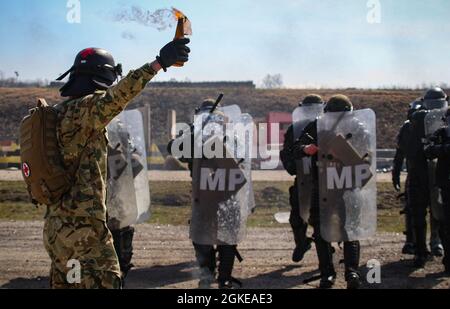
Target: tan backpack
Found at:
x=41, y=161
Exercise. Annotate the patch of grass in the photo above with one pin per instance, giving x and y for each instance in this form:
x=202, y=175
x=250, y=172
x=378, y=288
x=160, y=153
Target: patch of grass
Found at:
x=390, y=220
x=21, y=212
x=172, y=201
x=163, y=215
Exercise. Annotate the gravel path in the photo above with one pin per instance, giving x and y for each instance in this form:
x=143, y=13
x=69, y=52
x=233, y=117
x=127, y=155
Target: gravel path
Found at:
x=164, y=259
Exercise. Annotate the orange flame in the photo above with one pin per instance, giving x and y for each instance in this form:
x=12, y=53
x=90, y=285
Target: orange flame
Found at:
x=178, y=14
x=184, y=25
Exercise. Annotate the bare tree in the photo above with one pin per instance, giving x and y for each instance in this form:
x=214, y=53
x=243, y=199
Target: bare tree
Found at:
x=272, y=81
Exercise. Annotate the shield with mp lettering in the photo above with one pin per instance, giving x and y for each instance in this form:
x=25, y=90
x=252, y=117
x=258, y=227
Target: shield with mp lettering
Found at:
x=301, y=117
x=347, y=175
x=222, y=192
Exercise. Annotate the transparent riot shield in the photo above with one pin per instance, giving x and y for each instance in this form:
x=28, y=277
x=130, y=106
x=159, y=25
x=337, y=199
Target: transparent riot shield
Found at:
x=301, y=117
x=434, y=121
x=221, y=184
x=347, y=175
x=128, y=199
x=135, y=126
x=121, y=205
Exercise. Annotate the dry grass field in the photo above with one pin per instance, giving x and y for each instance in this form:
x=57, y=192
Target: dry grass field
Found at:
x=389, y=105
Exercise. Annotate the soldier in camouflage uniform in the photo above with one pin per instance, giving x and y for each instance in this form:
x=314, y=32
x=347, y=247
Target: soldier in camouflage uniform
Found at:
x=75, y=227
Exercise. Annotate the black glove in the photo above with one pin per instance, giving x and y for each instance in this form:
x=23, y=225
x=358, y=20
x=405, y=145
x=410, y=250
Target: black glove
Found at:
x=396, y=183
x=175, y=51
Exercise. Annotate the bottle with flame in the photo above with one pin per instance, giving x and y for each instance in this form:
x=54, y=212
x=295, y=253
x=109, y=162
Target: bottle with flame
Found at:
x=184, y=28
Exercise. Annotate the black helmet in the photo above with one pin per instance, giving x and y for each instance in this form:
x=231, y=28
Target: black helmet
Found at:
x=435, y=98
x=338, y=103
x=93, y=69
x=312, y=99
x=414, y=106
x=206, y=105
x=435, y=93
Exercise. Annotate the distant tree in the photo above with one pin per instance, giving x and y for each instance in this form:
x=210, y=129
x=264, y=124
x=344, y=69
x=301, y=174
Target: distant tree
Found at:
x=272, y=81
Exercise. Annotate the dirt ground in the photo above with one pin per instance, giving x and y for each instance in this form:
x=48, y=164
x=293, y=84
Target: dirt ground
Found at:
x=14, y=175
x=164, y=259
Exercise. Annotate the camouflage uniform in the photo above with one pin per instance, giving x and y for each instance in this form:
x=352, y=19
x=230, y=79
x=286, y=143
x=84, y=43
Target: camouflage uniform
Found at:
x=75, y=228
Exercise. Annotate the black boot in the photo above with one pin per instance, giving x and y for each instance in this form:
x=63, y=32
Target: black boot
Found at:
x=123, y=244
x=436, y=247
x=326, y=267
x=421, y=256
x=227, y=255
x=299, y=227
x=351, y=260
x=206, y=258
x=410, y=246
x=302, y=243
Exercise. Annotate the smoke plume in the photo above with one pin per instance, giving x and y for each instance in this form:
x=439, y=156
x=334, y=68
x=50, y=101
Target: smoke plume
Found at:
x=161, y=19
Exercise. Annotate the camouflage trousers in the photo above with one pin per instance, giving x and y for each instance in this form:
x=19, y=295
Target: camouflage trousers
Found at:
x=82, y=254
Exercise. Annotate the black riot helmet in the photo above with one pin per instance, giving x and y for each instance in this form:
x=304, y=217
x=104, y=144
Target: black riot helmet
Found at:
x=435, y=98
x=312, y=99
x=413, y=107
x=93, y=69
x=206, y=106
x=338, y=103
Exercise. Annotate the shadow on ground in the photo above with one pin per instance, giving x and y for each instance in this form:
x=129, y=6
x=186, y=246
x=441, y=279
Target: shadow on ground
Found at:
x=24, y=283
x=399, y=275
x=279, y=279
x=161, y=276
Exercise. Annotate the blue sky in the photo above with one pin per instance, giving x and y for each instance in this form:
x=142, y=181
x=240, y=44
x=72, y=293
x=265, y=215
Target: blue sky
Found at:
x=310, y=42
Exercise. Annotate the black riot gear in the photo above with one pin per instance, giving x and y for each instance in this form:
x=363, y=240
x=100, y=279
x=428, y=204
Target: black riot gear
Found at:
x=435, y=94
x=324, y=248
x=93, y=69
x=419, y=190
x=435, y=98
x=413, y=107
x=440, y=149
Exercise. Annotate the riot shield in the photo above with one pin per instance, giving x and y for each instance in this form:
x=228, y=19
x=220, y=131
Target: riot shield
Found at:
x=128, y=198
x=434, y=121
x=222, y=193
x=301, y=117
x=347, y=175
x=135, y=126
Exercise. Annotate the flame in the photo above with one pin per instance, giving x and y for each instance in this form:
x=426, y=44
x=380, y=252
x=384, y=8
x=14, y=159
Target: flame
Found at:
x=178, y=14
x=186, y=28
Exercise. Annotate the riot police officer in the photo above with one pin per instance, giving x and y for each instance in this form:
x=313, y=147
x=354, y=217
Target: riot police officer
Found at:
x=419, y=182
x=298, y=224
x=400, y=155
x=218, y=215
x=440, y=149
x=308, y=146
